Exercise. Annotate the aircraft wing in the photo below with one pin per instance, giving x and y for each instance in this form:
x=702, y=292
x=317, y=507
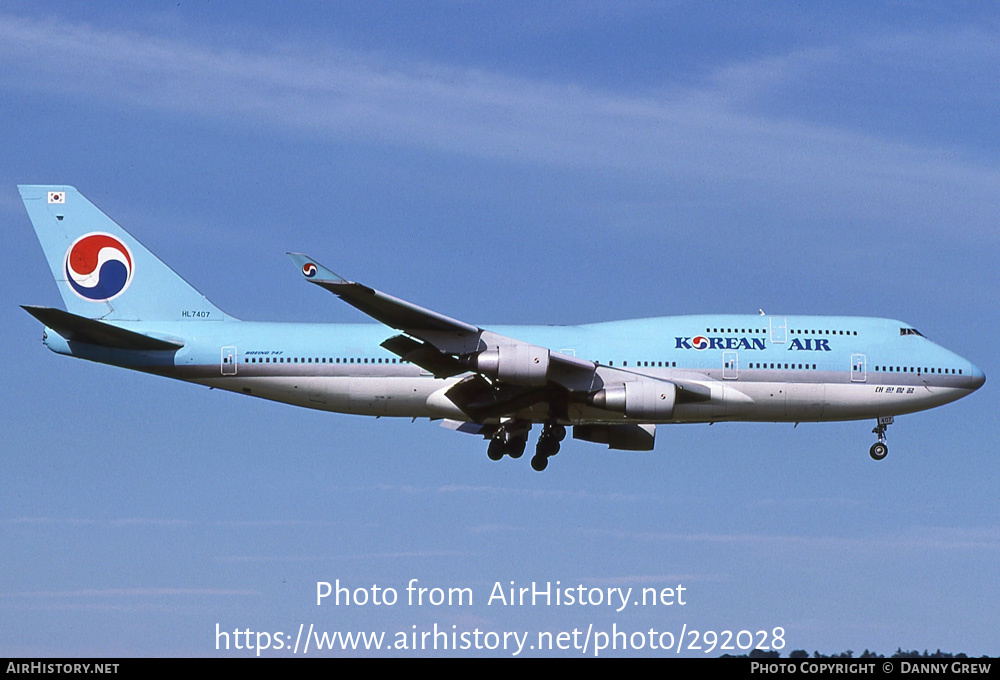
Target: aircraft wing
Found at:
x=391, y=311
x=504, y=375
x=443, y=332
x=449, y=346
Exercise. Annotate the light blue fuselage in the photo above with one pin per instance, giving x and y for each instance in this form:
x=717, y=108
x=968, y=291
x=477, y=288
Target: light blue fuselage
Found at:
x=759, y=368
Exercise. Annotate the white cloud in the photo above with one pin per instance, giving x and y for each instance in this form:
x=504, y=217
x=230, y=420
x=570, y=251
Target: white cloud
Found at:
x=695, y=140
x=130, y=592
x=918, y=538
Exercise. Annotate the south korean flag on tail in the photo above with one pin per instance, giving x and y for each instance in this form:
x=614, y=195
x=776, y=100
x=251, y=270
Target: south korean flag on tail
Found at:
x=57, y=197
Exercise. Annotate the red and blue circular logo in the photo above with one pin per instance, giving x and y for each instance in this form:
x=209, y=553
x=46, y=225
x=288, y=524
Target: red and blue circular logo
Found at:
x=309, y=270
x=700, y=342
x=98, y=266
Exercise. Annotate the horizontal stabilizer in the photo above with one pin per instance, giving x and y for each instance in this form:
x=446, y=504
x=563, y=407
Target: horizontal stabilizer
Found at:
x=81, y=329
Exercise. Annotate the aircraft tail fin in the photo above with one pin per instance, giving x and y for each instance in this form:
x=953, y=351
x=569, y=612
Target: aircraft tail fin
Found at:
x=101, y=270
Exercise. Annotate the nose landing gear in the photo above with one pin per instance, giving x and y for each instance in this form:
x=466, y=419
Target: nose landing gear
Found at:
x=879, y=450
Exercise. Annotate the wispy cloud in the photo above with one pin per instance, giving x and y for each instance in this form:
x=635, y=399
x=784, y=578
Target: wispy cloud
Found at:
x=126, y=522
x=686, y=138
x=84, y=521
x=833, y=503
x=130, y=592
x=485, y=490
x=401, y=555
x=643, y=580
x=919, y=538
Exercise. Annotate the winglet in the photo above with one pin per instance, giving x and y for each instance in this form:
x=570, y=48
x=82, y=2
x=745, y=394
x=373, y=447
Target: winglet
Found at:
x=313, y=270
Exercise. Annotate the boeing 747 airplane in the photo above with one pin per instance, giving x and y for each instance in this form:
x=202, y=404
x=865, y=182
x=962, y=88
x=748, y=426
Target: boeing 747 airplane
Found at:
x=611, y=382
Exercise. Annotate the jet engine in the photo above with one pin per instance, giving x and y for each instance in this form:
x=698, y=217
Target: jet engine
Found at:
x=647, y=400
x=514, y=364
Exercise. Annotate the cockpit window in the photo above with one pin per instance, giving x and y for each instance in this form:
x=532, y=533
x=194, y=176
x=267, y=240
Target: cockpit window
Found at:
x=910, y=331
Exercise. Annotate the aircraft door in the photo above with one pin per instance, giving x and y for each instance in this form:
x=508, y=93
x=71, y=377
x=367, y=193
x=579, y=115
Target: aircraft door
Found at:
x=730, y=365
x=779, y=329
x=228, y=361
x=859, y=368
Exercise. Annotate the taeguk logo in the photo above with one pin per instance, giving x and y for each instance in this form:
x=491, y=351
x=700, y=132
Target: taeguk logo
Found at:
x=98, y=267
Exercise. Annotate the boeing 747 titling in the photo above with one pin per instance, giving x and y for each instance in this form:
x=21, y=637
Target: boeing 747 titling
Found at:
x=611, y=382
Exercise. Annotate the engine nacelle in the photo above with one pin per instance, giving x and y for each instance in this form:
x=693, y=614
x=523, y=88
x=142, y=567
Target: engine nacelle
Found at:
x=514, y=364
x=623, y=437
x=648, y=400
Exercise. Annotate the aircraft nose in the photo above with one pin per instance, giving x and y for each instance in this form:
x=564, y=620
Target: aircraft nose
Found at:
x=978, y=378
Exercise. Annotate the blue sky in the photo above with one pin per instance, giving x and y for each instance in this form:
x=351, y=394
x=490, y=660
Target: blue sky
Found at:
x=529, y=163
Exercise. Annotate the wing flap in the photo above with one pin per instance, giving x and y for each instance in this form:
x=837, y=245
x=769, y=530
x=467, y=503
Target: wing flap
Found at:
x=481, y=400
x=425, y=356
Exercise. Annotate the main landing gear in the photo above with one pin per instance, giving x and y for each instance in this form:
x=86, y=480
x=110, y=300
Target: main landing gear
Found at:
x=548, y=445
x=511, y=439
x=879, y=450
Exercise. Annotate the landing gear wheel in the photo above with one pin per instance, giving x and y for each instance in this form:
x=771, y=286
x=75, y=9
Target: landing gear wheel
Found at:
x=546, y=447
x=515, y=449
x=878, y=451
x=495, y=450
x=557, y=432
x=509, y=440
